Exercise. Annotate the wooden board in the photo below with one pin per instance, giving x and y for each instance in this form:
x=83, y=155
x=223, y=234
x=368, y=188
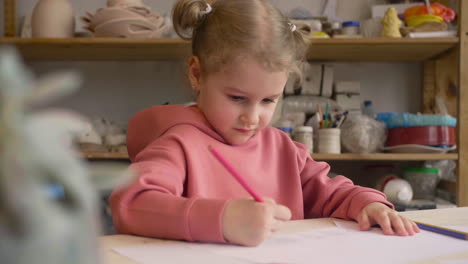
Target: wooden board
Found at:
x=375, y=49
x=105, y=156
x=379, y=49
x=447, y=81
x=385, y=156
x=429, y=87
x=441, y=79
x=316, y=156
x=9, y=10
x=462, y=168
x=100, y=49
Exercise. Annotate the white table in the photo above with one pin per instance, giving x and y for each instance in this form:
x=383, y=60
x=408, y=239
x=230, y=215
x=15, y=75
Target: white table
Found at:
x=444, y=217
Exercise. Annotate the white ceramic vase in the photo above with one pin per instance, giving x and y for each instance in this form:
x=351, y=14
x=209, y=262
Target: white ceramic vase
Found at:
x=53, y=19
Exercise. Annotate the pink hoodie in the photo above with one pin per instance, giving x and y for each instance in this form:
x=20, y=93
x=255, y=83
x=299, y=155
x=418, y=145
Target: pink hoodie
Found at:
x=181, y=189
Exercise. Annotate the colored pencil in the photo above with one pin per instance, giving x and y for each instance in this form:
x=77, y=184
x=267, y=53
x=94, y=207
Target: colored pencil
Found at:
x=327, y=115
x=235, y=174
x=443, y=230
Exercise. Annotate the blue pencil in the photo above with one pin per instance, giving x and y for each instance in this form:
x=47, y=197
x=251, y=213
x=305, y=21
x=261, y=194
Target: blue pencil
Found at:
x=443, y=230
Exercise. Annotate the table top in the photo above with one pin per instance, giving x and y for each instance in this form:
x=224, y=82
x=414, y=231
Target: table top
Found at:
x=443, y=217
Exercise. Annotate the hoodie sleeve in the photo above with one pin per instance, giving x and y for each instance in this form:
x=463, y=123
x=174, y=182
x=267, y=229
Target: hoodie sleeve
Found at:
x=153, y=204
x=333, y=197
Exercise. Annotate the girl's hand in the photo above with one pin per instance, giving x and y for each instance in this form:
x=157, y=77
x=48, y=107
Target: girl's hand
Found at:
x=388, y=219
x=248, y=223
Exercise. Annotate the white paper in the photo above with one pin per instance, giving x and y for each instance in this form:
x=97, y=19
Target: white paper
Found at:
x=345, y=244
x=454, y=261
x=173, y=254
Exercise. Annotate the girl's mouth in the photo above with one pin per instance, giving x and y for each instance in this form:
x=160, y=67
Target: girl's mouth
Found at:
x=243, y=131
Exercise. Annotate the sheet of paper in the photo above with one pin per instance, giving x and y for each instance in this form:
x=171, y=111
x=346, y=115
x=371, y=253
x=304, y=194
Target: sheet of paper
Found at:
x=345, y=244
x=173, y=254
x=454, y=261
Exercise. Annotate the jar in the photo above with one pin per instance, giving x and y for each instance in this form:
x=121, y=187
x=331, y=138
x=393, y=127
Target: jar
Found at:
x=423, y=180
x=351, y=28
x=335, y=28
x=332, y=28
x=305, y=135
x=329, y=140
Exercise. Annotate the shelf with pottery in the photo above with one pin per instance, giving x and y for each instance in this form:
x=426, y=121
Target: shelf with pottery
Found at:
x=385, y=156
x=94, y=49
x=380, y=49
x=316, y=156
x=105, y=155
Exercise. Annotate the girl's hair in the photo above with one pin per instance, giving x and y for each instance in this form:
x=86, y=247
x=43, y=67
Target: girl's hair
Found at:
x=239, y=28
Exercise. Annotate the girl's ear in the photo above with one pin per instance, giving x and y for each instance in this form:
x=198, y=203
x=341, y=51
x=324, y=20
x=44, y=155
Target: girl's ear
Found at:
x=195, y=73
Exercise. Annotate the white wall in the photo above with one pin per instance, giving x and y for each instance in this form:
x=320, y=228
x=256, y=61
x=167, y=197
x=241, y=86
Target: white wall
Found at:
x=118, y=89
x=392, y=87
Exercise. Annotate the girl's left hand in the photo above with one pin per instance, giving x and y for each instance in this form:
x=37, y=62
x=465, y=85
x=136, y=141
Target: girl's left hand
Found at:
x=388, y=219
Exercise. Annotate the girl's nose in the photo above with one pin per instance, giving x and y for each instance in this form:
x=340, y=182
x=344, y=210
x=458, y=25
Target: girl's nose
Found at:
x=250, y=118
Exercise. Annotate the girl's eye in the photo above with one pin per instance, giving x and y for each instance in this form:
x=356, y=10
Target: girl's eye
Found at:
x=236, y=98
x=268, y=101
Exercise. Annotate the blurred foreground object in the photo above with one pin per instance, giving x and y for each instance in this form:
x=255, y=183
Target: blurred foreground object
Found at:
x=36, y=153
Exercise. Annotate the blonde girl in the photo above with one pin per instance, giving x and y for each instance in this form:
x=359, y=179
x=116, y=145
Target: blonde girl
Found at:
x=243, y=52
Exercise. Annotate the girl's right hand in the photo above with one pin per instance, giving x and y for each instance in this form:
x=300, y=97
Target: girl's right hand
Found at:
x=248, y=223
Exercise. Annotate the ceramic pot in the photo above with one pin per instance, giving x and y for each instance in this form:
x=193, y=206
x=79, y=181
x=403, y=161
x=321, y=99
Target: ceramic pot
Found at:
x=53, y=19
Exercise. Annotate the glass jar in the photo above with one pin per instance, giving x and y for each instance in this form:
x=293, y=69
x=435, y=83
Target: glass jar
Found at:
x=305, y=135
x=351, y=28
x=423, y=180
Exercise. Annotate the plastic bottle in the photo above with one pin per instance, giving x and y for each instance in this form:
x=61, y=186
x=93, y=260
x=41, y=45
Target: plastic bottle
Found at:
x=368, y=109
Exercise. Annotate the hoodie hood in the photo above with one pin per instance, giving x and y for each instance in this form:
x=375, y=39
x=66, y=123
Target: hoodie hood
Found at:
x=151, y=123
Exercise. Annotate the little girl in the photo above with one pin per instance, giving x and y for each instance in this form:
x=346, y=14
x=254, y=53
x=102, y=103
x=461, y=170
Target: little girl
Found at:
x=243, y=52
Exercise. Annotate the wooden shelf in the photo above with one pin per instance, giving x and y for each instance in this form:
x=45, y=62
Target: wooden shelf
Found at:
x=380, y=49
x=385, y=156
x=105, y=156
x=95, y=49
x=369, y=49
x=316, y=156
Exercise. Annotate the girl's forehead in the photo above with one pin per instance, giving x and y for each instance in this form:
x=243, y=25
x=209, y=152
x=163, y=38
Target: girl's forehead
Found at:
x=250, y=78
x=248, y=66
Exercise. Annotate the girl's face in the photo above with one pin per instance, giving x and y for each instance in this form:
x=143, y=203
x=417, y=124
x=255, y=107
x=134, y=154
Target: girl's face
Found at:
x=240, y=99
